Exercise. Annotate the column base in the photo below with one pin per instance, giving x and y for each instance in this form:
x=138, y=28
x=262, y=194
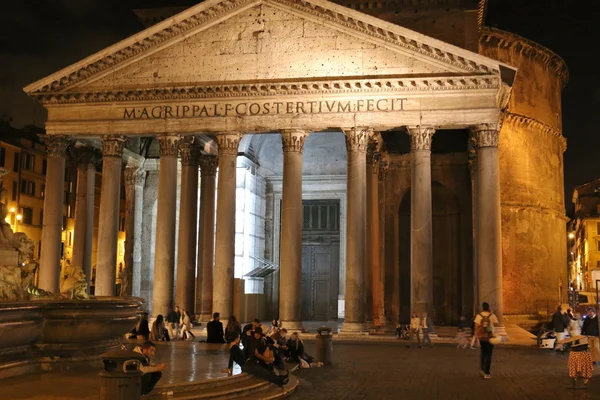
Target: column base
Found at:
x=292, y=326
x=354, y=329
x=203, y=318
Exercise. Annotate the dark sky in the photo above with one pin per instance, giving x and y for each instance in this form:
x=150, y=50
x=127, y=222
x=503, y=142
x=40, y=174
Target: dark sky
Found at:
x=39, y=37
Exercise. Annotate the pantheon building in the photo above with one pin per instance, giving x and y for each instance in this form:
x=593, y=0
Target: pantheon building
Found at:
x=313, y=160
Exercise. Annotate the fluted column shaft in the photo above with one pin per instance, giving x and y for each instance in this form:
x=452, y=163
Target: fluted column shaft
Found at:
x=421, y=256
x=488, y=223
x=49, y=272
x=108, y=226
x=355, y=302
x=382, y=172
x=164, y=255
x=225, y=235
x=206, y=237
x=188, y=227
x=83, y=231
x=290, y=275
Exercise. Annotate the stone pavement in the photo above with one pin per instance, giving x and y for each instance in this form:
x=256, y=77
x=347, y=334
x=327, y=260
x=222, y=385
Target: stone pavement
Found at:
x=186, y=362
x=387, y=371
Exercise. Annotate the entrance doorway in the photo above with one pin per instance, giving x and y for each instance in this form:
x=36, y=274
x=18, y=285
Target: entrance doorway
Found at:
x=320, y=259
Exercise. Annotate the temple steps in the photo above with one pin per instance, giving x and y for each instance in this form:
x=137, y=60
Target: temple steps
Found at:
x=242, y=386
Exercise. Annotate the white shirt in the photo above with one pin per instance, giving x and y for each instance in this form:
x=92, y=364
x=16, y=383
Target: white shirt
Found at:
x=492, y=317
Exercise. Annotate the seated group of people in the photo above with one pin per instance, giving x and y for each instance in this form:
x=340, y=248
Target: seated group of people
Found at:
x=264, y=354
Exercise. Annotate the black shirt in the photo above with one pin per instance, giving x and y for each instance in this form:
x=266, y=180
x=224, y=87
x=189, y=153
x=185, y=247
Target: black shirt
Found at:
x=214, y=332
x=235, y=354
x=590, y=326
x=172, y=317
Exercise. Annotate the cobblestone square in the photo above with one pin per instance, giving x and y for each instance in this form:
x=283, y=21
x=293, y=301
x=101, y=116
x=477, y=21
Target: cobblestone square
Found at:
x=390, y=371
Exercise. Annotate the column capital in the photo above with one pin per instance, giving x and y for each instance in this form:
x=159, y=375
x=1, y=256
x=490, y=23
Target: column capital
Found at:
x=208, y=165
x=85, y=156
x=190, y=153
x=293, y=139
x=112, y=145
x=168, y=145
x=134, y=176
x=374, y=148
x=56, y=146
x=357, y=138
x=421, y=137
x=487, y=135
x=229, y=142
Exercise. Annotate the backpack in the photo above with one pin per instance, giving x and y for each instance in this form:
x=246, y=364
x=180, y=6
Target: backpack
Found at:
x=486, y=328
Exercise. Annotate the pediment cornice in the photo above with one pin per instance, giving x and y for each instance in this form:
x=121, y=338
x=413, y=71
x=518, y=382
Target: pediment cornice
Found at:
x=278, y=88
x=210, y=12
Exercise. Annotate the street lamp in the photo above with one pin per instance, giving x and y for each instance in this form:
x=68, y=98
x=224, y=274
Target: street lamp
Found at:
x=19, y=218
x=571, y=235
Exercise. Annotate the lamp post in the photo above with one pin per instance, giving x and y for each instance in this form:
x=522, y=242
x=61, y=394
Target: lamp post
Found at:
x=19, y=218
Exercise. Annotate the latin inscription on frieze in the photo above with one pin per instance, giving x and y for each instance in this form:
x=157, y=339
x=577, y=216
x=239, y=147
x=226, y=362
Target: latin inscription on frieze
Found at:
x=239, y=109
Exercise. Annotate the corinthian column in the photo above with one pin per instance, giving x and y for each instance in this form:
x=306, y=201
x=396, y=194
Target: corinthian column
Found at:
x=83, y=231
x=56, y=147
x=290, y=294
x=355, y=301
x=421, y=255
x=381, y=309
x=108, y=226
x=206, y=237
x=188, y=212
x=373, y=270
x=133, y=178
x=488, y=223
x=225, y=236
x=164, y=256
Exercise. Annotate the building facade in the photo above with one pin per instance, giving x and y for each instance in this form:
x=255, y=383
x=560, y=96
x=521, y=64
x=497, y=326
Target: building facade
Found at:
x=368, y=165
x=584, y=237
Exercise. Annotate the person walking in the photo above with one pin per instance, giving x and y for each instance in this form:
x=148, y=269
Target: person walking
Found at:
x=186, y=326
x=559, y=324
x=590, y=329
x=484, y=330
x=415, y=325
x=173, y=318
x=426, y=327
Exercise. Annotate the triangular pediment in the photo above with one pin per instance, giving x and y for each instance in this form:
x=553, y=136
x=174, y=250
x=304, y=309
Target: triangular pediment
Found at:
x=263, y=40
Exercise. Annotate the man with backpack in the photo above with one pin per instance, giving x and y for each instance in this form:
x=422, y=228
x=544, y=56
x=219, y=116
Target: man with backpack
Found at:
x=484, y=330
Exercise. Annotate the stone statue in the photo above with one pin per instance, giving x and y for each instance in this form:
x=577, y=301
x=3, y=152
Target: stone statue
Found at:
x=16, y=281
x=74, y=284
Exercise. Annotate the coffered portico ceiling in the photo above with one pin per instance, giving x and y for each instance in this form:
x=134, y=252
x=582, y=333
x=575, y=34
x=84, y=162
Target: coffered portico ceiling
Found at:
x=263, y=65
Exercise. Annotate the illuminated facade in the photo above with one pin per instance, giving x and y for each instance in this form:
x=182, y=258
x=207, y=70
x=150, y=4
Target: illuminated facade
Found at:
x=369, y=165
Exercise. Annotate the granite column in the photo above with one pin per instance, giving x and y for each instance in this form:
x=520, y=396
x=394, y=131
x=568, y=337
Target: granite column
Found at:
x=206, y=237
x=188, y=227
x=225, y=235
x=49, y=273
x=290, y=278
x=421, y=255
x=108, y=225
x=83, y=231
x=131, y=177
x=355, y=302
x=164, y=256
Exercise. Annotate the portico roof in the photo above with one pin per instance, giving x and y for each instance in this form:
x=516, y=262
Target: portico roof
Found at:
x=276, y=63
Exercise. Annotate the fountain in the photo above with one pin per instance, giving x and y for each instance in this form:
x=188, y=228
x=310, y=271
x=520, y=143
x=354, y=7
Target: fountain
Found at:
x=45, y=331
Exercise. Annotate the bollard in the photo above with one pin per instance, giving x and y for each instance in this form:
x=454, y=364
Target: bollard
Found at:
x=121, y=378
x=324, y=345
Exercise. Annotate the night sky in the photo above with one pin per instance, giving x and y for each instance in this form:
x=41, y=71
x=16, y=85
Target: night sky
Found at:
x=40, y=37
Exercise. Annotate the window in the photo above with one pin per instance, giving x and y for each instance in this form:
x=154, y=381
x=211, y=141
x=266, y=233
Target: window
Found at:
x=44, y=167
x=14, y=191
x=597, y=245
x=2, y=156
x=43, y=191
x=66, y=199
x=41, y=217
x=28, y=187
x=29, y=162
x=27, y=213
x=598, y=228
x=16, y=162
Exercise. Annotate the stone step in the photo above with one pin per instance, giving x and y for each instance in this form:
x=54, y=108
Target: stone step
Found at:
x=202, y=384
x=242, y=386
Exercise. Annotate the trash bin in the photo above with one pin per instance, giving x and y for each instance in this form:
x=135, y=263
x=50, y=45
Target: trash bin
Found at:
x=324, y=345
x=121, y=378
